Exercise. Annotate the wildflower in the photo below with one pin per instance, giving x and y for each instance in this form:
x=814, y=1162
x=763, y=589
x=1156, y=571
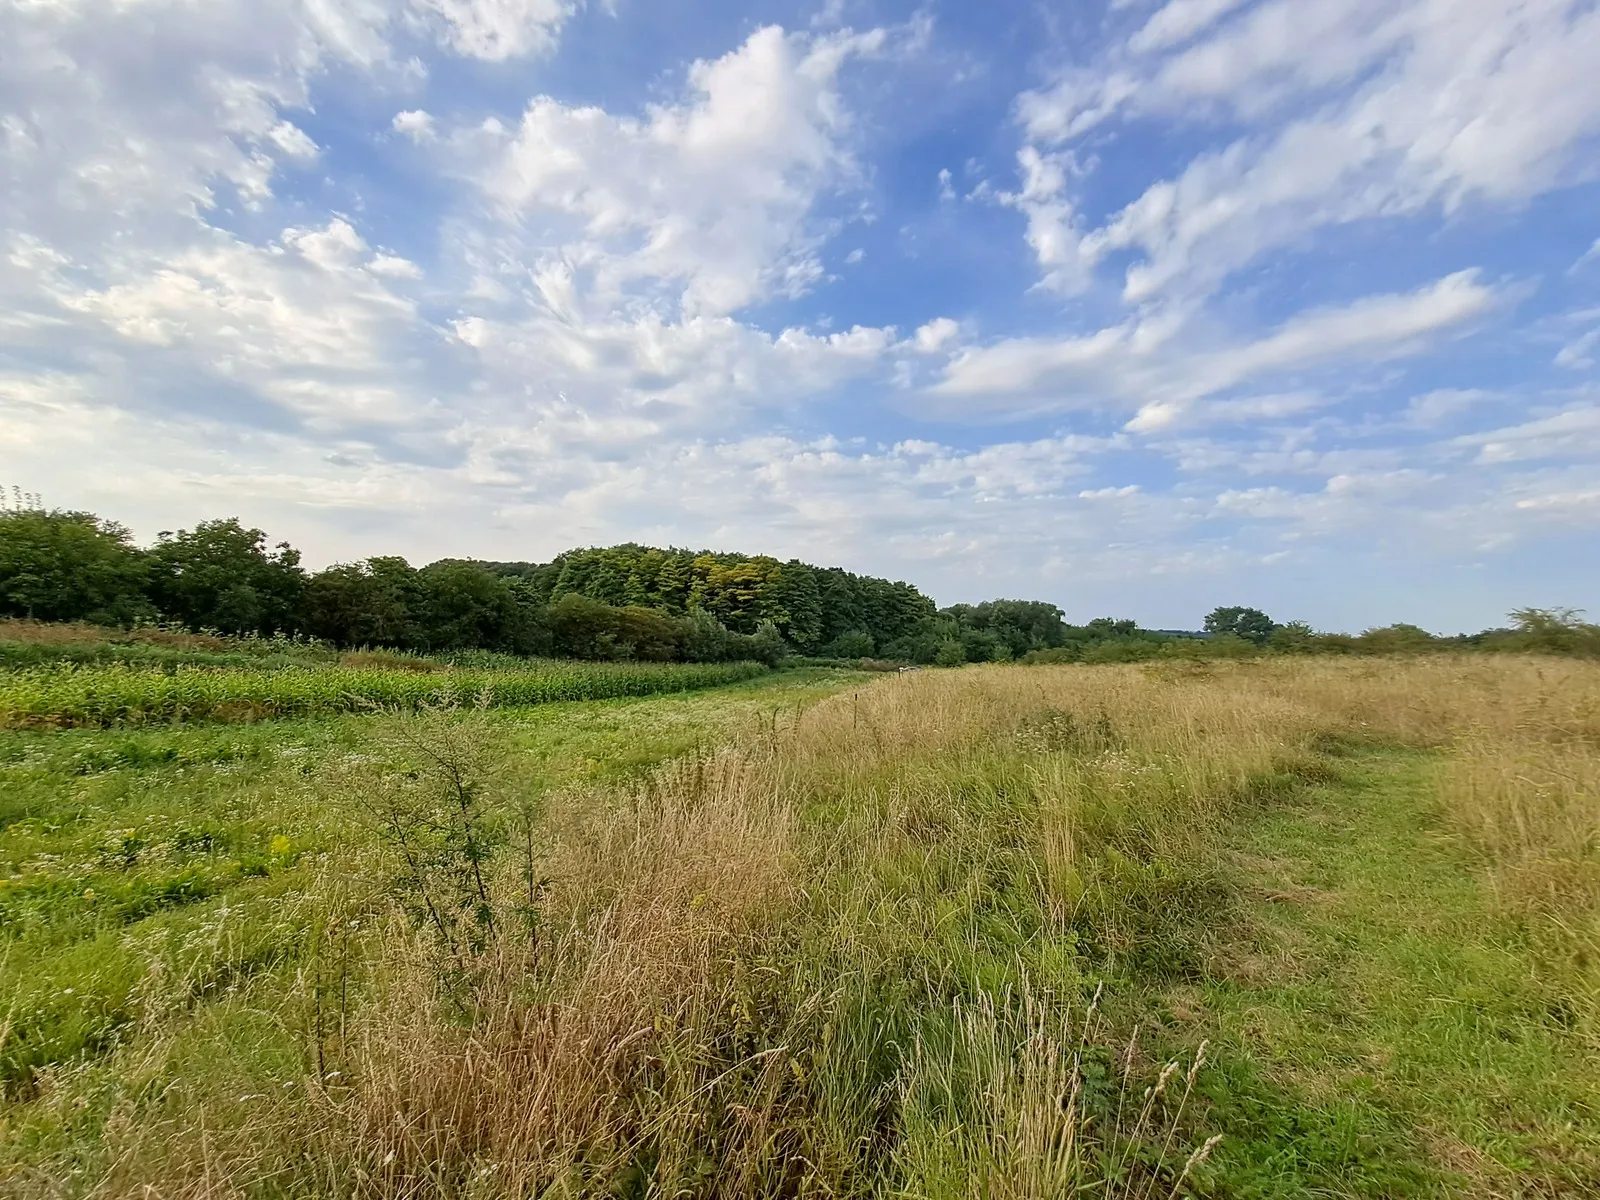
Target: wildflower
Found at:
x=88, y=893
x=280, y=844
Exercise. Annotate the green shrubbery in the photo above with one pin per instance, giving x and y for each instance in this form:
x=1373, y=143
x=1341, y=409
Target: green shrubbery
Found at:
x=619, y=603
x=121, y=694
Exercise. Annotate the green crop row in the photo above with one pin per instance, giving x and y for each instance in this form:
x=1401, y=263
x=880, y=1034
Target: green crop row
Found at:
x=110, y=694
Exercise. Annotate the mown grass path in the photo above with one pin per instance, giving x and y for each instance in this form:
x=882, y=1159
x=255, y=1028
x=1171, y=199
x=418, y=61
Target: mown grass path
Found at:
x=1379, y=1025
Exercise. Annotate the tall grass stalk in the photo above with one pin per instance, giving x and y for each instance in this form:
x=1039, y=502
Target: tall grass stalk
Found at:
x=859, y=953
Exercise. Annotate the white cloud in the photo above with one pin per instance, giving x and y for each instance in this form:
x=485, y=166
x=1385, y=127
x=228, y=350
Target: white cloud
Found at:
x=414, y=123
x=292, y=140
x=296, y=325
x=1579, y=353
x=1579, y=502
x=141, y=115
x=497, y=29
x=1442, y=405
x=1177, y=21
x=1353, y=110
x=1570, y=433
x=393, y=266
x=937, y=334
x=1137, y=361
x=710, y=195
x=333, y=247
x=1053, y=231
x=1110, y=493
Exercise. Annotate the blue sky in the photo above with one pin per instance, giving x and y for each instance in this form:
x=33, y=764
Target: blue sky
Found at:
x=1139, y=308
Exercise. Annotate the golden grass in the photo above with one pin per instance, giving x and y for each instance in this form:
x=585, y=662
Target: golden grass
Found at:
x=75, y=633
x=807, y=964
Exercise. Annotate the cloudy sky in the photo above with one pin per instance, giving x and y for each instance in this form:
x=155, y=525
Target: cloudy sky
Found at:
x=1140, y=307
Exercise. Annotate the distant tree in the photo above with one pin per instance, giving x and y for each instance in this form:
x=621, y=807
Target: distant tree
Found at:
x=1395, y=639
x=583, y=628
x=766, y=644
x=375, y=603
x=950, y=653
x=222, y=575
x=793, y=601
x=1249, y=623
x=464, y=605
x=1293, y=637
x=852, y=643
x=1019, y=625
x=1552, y=631
x=705, y=639
x=981, y=645
x=69, y=566
x=1108, y=627
x=647, y=633
x=921, y=647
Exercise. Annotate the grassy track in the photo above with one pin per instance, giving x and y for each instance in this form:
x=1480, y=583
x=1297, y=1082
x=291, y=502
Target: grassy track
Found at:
x=1380, y=1025
x=946, y=935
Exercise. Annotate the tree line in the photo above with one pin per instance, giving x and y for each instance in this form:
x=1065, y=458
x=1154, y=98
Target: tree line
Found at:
x=618, y=602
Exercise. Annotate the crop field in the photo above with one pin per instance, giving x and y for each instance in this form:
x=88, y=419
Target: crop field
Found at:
x=1273, y=928
x=118, y=694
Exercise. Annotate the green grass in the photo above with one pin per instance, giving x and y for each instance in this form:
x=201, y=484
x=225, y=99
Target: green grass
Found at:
x=111, y=694
x=146, y=868
x=1379, y=1027
x=854, y=955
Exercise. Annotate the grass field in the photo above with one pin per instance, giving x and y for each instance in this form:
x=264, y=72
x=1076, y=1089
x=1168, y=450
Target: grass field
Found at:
x=108, y=695
x=1274, y=928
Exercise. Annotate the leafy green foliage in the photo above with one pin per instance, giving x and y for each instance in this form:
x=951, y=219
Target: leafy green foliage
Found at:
x=69, y=566
x=617, y=603
x=810, y=607
x=1251, y=624
x=221, y=575
x=117, y=694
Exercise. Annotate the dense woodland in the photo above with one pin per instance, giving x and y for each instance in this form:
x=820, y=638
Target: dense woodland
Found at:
x=617, y=602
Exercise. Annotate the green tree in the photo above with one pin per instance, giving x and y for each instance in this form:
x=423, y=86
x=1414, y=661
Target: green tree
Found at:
x=464, y=605
x=765, y=645
x=647, y=633
x=582, y=628
x=1293, y=637
x=375, y=603
x=70, y=566
x=1552, y=631
x=705, y=639
x=852, y=643
x=222, y=575
x=793, y=600
x=1251, y=624
x=1401, y=638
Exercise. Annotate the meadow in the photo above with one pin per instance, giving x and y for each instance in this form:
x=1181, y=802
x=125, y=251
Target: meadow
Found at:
x=1274, y=927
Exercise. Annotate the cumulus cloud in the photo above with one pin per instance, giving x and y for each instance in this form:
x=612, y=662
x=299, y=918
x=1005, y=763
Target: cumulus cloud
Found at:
x=497, y=29
x=339, y=269
x=1169, y=374
x=709, y=196
x=1351, y=110
x=414, y=123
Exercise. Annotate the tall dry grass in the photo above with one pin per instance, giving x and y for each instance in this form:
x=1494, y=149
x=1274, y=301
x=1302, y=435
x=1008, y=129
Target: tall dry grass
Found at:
x=743, y=966
x=855, y=953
